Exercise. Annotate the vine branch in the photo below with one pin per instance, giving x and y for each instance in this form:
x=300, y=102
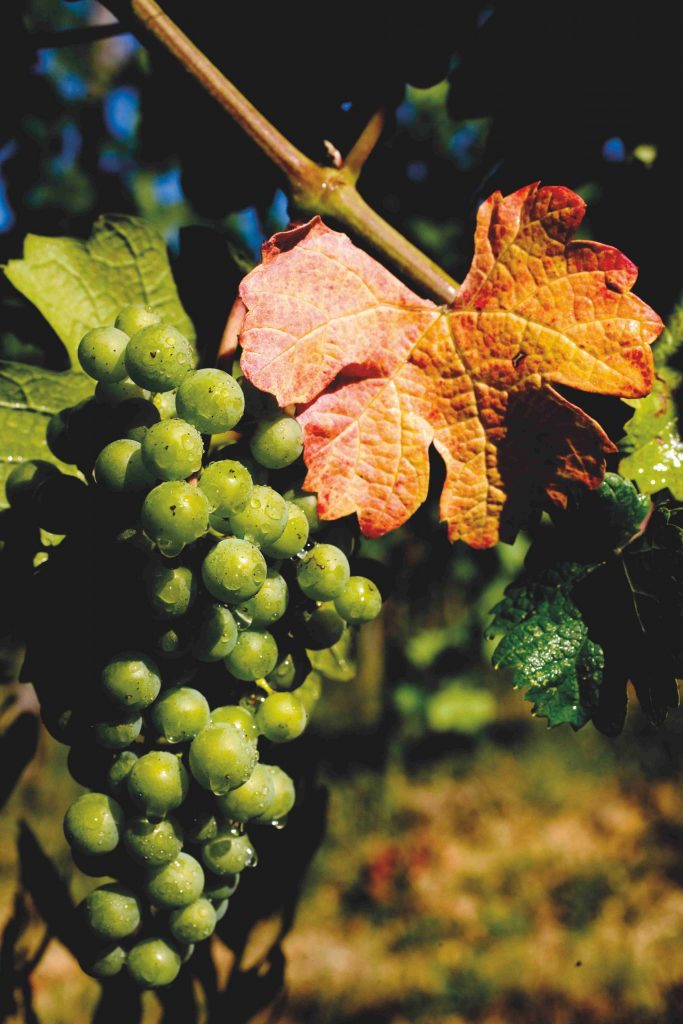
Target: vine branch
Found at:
x=315, y=189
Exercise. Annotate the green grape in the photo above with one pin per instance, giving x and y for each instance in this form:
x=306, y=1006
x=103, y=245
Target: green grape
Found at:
x=249, y=800
x=360, y=601
x=323, y=572
x=193, y=923
x=211, y=400
x=277, y=441
x=228, y=853
x=322, y=627
x=233, y=714
x=308, y=503
x=222, y=758
x=175, y=514
x=158, y=783
x=131, y=680
x=171, y=589
x=112, y=912
x=227, y=485
x=267, y=605
x=217, y=634
x=93, y=823
x=180, y=714
x=221, y=910
x=117, y=735
x=283, y=798
x=170, y=643
x=233, y=570
x=221, y=887
x=159, y=357
x=203, y=827
x=263, y=518
x=25, y=479
x=105, y=962
x=164, y=403
x=172, y=449
x=102, y=353
x=293, y=538
x=281, y=717
x=309, y=692
x=253, y=656
x=152, y=843
x=290, y=671
x=153, y=963
x=134, y=417
x=119, y=467
x=176, y=884
x=119, y=770
x=118, y=391
x=133, y=318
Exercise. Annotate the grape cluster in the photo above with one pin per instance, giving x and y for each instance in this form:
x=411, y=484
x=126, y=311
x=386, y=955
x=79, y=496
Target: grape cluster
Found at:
x=234, y=595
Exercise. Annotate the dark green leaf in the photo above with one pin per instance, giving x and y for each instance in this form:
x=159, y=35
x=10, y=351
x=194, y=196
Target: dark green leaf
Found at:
x=29, y=395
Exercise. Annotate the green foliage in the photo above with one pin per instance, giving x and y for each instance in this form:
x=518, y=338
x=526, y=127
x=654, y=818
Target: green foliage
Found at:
x=79, y=285
x=652, y=442
x=598, y=605
x=28, y=397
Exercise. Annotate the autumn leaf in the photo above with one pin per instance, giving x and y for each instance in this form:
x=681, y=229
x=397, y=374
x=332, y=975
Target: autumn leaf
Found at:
x=381, y=374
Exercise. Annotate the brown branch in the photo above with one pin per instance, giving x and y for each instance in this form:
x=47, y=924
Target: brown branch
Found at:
x=314, y=189
x=365, y=143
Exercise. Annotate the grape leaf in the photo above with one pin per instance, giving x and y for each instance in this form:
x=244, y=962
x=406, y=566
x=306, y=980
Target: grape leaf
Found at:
x=597, y=605
x=29, y=395
x=652, y=441
x=77, y=285
x=382, y=373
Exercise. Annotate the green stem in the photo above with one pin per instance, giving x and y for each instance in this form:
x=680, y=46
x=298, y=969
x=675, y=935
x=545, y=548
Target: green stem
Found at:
x=315, y=189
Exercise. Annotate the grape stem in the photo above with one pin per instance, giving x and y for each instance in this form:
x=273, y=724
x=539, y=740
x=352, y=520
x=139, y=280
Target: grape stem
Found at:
x=315, y=189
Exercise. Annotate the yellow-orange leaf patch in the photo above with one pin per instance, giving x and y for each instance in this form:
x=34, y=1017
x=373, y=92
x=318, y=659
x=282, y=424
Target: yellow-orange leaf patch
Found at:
x=380, y=374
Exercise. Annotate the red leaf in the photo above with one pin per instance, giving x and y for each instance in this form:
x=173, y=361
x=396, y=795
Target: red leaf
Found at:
x=382, y=373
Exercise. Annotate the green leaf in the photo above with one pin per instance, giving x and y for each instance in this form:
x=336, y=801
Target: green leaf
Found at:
x=77, y=285
x=653, y=445
x=29, y=395
x=546, y=644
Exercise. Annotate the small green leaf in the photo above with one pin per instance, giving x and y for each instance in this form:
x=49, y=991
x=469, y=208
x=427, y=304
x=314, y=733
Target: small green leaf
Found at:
x=653, y=446
x=546, y=644
x=29, y=395
x=77, y=285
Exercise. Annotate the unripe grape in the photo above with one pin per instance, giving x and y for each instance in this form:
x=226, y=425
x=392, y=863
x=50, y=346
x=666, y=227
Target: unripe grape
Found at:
x=283, y=797
x=119, y=467
x=117, y=735
x=222, y=758
x=159, y=357
x=153, y=843
x=263, y=518
x=112, y=912
x=131, y=680
x=249, y=800
x=323, y=572
x=253, y=656
x=133, y=318
x=176, y=884
x=277, y=441
x=175, y=514
x=217, y=634
x=228, y=486
x=293, y=538
x=102, y=353
x=240, y=717
x=172, y=450
x=360, y=601
x=93, y=823
x=228, y=854
x=153, y=963
x=193, y=923
x=211, y=400
x=234, y=570
x=267, y=605
x=119, y=770
x=158, y=783
x=171, y=589
x=281, y=717
x=180, y=714
x=105, y=962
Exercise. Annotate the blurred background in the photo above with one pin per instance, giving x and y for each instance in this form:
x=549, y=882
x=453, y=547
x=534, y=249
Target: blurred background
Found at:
x=466, y=864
